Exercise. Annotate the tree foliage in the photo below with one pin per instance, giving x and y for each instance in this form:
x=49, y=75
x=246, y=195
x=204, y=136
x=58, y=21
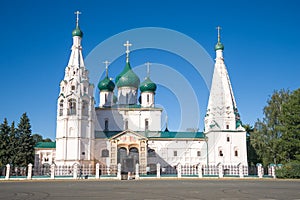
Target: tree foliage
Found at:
x=17, y=144
x=276, y=137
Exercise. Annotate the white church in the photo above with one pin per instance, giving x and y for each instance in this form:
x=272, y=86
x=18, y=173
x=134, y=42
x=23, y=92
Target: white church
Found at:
x=126, y=125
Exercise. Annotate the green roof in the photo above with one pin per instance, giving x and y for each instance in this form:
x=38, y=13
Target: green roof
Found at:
x=127, y=78
x=45, y=145
x=219, y=46
x=154, y=134
x=147, y=85
x=106, y=85
x=77, y=32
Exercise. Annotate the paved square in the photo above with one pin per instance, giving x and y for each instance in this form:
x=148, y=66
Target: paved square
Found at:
x=150, y=189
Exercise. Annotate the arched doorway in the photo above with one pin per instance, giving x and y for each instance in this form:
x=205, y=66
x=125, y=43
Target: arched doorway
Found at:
x=128, y=160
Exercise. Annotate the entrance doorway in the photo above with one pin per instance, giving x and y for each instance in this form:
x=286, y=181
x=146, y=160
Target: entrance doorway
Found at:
x=128, y=160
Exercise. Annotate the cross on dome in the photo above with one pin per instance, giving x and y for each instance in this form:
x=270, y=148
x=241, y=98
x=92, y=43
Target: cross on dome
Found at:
x=106, y=67
x=77, y=13
x=148, y=68
x=127, y=45
x=219, y=37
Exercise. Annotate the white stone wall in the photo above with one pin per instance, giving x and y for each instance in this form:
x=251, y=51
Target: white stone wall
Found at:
x=136, y=119
x=175, y=152
x=127, y=95
x=228, y=143
x=147, y=99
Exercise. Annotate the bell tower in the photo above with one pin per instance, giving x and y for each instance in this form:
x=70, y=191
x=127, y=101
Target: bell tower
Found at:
x=75, y=109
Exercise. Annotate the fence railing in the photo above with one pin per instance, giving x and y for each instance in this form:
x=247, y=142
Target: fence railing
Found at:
x=97, y=171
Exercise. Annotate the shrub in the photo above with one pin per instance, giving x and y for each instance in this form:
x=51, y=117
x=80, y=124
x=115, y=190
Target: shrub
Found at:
x=289, y=170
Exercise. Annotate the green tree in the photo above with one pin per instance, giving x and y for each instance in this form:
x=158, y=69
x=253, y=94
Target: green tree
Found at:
x=266, y=138
x=25, y=153
x=4, y=143
x=251, y=153
x=13, y=143
x=290, y=128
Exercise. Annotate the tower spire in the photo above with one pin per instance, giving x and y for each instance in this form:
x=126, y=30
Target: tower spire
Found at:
x=127, y=45
x=106, y=67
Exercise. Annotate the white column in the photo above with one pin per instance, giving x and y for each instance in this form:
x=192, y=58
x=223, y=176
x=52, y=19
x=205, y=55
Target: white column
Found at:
x=119, y=171
x=29, y=175
x=179, y=170
x=273, y=171
x=52, y=171
x=97, y=170
x=158, y=170
x=137, y=168
x=200, y=175
x=7, y=171
x=75, y=167
x=220, y=166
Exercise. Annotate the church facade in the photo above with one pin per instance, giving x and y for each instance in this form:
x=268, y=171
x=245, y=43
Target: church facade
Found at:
x=125, y=127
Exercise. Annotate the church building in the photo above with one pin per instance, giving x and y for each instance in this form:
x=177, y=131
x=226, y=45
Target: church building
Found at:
x=125, y=127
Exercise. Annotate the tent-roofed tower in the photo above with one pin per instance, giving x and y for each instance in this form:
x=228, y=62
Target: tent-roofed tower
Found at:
x=75, y=108
x=222, y=111
x=226, y=136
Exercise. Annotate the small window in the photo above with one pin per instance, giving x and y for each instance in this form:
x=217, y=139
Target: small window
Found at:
x=105, y=98
x=228, y=139
x=221, y=153
x=83, y=153
x=73, y=87
x=198, y=153
x=61, y=107
x=72, y=107
x=106, y=125
x=84, y=89
x=105, y=153
x=227, y=126
x=236, y=153
x=175, y=153
x=126, y=124
x=146, y=124
x=148, y=99
x=151, y=153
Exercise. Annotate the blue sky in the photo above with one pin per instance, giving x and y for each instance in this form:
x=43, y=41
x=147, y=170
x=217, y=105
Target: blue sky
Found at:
x=261, y=41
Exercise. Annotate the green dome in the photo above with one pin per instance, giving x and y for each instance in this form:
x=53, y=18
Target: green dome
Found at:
x=147, y=85
x=127, y=78
x=77, y=32
x=106, y=85
x=219, y=46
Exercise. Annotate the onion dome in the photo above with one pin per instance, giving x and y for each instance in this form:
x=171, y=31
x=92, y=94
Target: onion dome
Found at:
x=77, y=32
x=106, y=85
x=127, y=78
x=219, y=46
x=147, y=85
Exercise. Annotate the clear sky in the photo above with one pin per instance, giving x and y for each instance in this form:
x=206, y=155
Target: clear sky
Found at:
x=261, y=40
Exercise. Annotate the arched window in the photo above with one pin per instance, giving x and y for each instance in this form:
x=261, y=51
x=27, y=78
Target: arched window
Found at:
x=146, y=124
x=126, y=124
x=85, y=108
x=106, y=125
x=105, y=96
x=73, y=87
x=236, y=151
x=72, y=107
x=148, y=98
x=61, y=107
x=105, y=153
x=220, y=151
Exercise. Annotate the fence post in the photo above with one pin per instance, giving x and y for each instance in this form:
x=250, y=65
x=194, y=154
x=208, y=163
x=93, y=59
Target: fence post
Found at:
x=75, y=169
x=241, y=173
x=119, y=171
x=259, y=170
x=29, y=175
x=97, y=170
x=158, y=170
x=200, y=175
x=179, y=170
x=7, y=171
x=273, y=170
x=52, y=171
x=137, y=171
x=220, y=166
